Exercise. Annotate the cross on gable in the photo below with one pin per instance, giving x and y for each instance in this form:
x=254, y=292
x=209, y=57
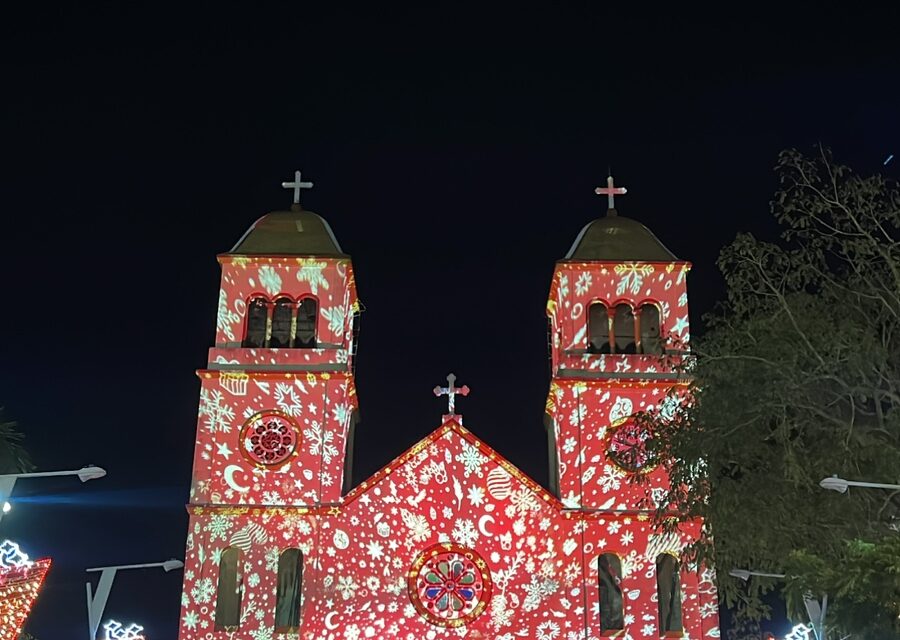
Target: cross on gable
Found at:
x=611, y=191
x=296, y=185
x=451, y=391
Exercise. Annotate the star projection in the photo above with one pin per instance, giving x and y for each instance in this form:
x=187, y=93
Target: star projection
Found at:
x=449, y=540
x=20, y=583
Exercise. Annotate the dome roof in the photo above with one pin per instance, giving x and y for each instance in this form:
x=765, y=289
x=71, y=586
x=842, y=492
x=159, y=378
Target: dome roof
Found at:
x=618, y=239
x=295, y=232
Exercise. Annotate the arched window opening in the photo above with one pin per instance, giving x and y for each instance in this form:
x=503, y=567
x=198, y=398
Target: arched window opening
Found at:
x=668, y=591
x=228, y=593
x=307, y=314
x=650, y=334
x=257, y=321
x=623, y=329
x=598, y=328
x=282, y=317
x=612, y=613
x=288, y=592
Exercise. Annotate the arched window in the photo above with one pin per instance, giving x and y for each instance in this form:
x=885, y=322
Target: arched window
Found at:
x=650, y=338
x=668, y=591
x=307, y=314
x=282, y=317
x=228, y=593
x=623, y=329
x=257, y=321
x=289, y=589
x=598, y=328
x=612, y=613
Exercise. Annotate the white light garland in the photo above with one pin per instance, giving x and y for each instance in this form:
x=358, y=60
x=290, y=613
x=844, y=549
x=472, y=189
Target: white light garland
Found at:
x=801, y=632
x=115, y=631
x=11, y=557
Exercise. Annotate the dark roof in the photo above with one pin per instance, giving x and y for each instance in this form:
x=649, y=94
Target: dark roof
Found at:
x=296, y=232
x=617, y=238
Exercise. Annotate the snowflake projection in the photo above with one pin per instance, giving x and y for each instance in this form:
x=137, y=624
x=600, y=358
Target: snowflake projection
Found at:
x=472, y=460
x=270, y=280
x=464, y=532
x=449, y=585
x=219, y=526
x=269, y=439
x=225, y=318
x=583, y=283
x=631, y=277
x=335, y=317
x=287, y=399
x=321, y=442
x=203, y=591
x=217, y=414
x=312, y=271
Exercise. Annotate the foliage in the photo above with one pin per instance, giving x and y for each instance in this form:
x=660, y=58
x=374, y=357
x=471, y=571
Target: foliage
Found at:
x=798, y=378
x=13, y=457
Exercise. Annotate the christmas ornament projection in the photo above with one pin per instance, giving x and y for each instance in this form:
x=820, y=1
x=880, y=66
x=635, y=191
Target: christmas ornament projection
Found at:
x=449, y=540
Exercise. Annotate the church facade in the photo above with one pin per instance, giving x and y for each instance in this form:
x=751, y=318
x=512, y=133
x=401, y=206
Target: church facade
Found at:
x=449, y=540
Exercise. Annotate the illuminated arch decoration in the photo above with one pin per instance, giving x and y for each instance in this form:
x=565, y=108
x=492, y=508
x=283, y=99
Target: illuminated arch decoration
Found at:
x=449, y=584
x=20, y=582
x=626, y=446
x=269, y=439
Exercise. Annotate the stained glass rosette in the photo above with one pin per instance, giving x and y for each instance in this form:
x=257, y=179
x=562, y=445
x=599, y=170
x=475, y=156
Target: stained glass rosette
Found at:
x=449, y=584
x=269, y=439
x=626, y=446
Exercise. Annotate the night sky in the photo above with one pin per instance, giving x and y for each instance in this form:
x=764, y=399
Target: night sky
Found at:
x=454, y=151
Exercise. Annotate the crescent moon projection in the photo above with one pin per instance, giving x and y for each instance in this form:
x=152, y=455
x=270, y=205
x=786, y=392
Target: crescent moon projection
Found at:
x=229, y=478
x=328, y=623
x=482, y=528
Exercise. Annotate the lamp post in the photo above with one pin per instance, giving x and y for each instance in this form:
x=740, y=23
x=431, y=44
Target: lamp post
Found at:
x=814, y=609
x=841, y=486
x=96, y=602
x=8, y=481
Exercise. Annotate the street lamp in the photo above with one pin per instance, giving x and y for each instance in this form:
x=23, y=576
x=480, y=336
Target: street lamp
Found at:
x=96, y=603
x=8, y=481
x=814, y=609
x=744, y=574
x=840, y=485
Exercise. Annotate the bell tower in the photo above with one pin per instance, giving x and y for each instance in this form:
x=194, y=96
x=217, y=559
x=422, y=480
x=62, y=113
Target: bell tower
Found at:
x=277, y=399
x=618, y=321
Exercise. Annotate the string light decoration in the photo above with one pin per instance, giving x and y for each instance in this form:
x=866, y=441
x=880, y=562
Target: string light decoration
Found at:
x=116, y=631
x=801, y=632
x=20, y=582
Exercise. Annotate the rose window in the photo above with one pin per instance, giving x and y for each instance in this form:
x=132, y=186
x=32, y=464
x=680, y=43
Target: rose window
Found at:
x=269, y=439
x=450, y=585
x=627, y=446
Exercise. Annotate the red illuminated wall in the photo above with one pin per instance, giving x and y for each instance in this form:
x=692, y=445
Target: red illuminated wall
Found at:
x=449, y=515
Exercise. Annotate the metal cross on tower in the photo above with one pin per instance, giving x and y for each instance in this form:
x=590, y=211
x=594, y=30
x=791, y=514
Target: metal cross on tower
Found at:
x=611, y=191
x=296, y=185
x=451, y=391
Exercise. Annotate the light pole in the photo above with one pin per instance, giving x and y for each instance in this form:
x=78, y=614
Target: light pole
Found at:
x=96, y=603
x=744, y=574
x=8, y=481
x=814, y=609
x=840, y=485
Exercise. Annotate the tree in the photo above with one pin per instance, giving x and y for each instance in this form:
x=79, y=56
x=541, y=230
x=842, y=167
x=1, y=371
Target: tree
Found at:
x=796, y=378
x=13, y=457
